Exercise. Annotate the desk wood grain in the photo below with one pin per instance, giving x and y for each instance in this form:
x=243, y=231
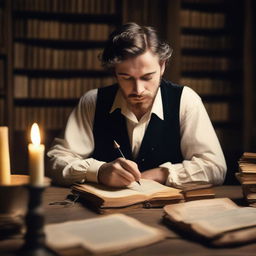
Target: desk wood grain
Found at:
x=173, y=245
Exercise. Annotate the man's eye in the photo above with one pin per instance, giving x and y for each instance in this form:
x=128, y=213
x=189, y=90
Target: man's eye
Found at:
x=147, y=78
x=127, y=78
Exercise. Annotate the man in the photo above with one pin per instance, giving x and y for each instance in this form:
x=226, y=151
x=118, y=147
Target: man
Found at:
x=163, y=129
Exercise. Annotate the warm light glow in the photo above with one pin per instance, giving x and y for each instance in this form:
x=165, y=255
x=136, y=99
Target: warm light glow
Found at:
x=35, y=134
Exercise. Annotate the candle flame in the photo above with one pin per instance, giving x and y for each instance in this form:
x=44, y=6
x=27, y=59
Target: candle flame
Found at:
x=35, y=134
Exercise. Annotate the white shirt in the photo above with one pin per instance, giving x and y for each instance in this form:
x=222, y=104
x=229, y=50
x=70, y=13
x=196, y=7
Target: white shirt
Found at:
x=70, y=159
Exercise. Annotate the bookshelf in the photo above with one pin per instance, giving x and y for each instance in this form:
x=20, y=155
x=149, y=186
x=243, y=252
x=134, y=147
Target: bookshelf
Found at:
x=5, y=63
x=208, y=55
x=2, y=63
x=56, y=46
x=48, y=57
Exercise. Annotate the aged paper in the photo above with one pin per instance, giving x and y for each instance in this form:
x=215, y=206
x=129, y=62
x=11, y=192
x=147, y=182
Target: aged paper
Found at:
x=108, y=234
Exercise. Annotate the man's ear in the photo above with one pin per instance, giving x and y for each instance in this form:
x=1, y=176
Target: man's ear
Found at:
x=162, y=67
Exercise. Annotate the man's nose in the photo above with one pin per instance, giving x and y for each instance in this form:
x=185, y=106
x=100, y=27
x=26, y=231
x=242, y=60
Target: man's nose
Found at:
x=138, y=87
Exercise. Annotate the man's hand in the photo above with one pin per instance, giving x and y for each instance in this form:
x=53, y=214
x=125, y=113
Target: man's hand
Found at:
x=119, y=173
x=159, y=174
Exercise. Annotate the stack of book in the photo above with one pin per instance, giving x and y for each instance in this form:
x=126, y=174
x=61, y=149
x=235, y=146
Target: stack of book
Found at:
x=247, y=176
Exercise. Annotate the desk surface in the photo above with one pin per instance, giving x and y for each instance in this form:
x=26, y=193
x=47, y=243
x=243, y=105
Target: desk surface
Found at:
x=173, y=245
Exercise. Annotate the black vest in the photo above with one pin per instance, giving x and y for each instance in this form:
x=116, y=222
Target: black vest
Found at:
x=161, y=142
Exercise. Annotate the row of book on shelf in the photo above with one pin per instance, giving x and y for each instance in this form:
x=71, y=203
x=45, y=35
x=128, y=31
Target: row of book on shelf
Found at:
x=2, y=75
x=219, y=111
x=51, y=118
x=247, y=176
x=206, y=63
x=2, y=35
x=2, y=67
x=208, y=86
x=203, y=1
x=74, y=87
x=199, y=19
x=55, y=117
x=57, y=88
x=57, y=30
x=2, y=110
x=67, y=6
x=205, y=42
x=33, y=57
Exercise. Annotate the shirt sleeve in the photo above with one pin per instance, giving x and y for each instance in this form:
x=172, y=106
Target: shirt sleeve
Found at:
x=69, y=157
x=203, y=157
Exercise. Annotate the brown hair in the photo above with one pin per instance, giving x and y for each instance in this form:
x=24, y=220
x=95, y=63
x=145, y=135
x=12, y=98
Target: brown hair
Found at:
x=131, y=40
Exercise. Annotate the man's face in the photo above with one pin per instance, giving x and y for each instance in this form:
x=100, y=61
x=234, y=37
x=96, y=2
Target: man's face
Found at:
x=139, y=79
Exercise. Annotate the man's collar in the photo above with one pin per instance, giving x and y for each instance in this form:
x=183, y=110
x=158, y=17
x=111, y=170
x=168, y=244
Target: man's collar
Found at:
x=157, y=107
x=120, y=103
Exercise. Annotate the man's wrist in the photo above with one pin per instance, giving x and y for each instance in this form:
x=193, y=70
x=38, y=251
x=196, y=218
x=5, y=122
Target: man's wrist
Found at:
x=93, y=170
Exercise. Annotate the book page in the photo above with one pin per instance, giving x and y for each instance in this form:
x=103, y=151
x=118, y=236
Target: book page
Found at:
x=195, y=210
x=224, y=221
x=115, y=232
x=147, y=187
x=150, y=187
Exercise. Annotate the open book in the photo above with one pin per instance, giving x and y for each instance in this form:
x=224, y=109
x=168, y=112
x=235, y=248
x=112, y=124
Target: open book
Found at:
x=149, y=194
x=219, y=221
x=109, y=234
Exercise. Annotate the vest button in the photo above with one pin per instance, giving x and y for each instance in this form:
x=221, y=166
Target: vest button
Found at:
x=143, y=159
x=152, y=149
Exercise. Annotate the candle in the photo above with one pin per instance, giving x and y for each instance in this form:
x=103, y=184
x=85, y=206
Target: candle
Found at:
x=5, y=173
x=36, y=158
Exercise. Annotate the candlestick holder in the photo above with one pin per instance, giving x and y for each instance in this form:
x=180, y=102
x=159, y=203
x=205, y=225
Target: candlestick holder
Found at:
x=35, y=238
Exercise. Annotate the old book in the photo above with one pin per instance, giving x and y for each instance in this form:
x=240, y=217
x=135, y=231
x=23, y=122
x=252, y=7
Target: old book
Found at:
x=249, y=193
x=248, y=157
x=196, y=191
x=114, y=233
x=196, y=194
x=246, y=178
x=149, y=194
x=250, y=197
x=247, y=168
x=249, y=188
x=247, y=175
x=219, y=221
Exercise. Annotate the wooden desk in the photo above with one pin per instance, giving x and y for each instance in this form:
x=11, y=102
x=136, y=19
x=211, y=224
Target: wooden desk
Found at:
x=173, y=245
